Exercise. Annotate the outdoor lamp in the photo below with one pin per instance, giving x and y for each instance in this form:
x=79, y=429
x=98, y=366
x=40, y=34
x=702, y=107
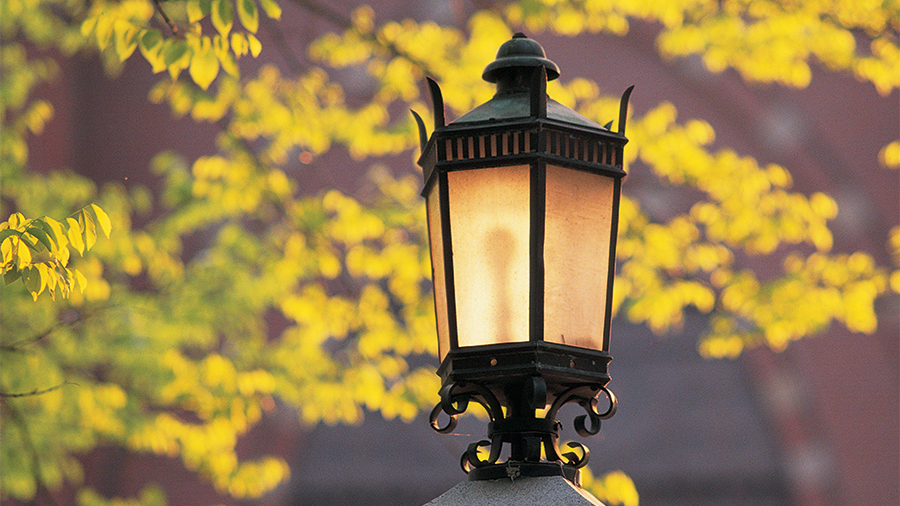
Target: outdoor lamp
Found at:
x=522, y=195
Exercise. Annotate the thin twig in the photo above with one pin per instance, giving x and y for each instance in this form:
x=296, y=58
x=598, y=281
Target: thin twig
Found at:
x=165, y=17
x=20, y=344
x=38, y=392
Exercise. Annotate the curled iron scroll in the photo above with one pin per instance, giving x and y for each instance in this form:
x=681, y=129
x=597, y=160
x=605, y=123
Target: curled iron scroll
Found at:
x=587, y=397
x=573, y=458
x=471, y=459
x=455, y=403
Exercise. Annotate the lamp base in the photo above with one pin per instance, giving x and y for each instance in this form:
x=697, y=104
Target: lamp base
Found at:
x=534, y=446
x=495, y=365
x=513, y=470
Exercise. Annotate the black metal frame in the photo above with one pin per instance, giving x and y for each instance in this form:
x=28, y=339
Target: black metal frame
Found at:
x=523, y=377
x=534, y=442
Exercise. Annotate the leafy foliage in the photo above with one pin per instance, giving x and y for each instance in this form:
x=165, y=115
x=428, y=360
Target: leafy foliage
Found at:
x=170, y=346
x=614, y=488
x=36, y=251
x=764, y=40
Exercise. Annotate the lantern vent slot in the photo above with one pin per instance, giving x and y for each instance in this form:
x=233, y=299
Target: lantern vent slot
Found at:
x=487, y=146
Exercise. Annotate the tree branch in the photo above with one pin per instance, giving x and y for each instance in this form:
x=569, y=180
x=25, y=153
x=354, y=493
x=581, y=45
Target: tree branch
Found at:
x=37, y=392
x=81, y=316
x=162, y=13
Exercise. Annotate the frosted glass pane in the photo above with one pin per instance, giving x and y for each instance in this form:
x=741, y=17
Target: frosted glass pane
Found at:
x=432, y=202
x=576, y=256
x=489, y=220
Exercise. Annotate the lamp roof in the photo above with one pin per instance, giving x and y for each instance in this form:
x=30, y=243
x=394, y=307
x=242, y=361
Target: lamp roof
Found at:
x=512, y=71
x=518, y=106
x=518, y=52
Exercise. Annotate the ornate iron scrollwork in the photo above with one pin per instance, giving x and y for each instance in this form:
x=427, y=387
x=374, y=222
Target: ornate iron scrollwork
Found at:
x=530, y=436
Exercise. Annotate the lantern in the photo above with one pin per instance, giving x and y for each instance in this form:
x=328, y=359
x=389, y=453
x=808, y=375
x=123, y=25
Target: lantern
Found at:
x=522, y=196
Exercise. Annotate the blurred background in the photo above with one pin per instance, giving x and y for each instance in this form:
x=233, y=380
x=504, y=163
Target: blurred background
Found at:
x=814, y=425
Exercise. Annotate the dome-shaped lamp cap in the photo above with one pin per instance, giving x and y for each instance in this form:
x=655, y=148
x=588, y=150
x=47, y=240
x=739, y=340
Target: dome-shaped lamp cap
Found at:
x=520, y=51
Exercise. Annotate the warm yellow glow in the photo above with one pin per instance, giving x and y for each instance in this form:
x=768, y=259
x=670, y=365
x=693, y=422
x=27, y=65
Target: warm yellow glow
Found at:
x=437, y=266
x=489, y=219
x=576, y=256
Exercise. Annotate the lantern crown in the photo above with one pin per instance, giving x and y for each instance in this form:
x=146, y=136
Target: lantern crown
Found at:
x=521, y=71
x=517, y=59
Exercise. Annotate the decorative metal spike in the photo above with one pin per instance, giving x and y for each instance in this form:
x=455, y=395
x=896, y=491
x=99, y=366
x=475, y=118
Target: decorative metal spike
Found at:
x=423, y=137
x=437, y=101
x=608, y=125
x=623, y=109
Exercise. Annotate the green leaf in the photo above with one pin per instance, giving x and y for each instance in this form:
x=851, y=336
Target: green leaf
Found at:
x=27, y=240
x=51, y=234
x=34, y=281
x=226, y=59
x=197, y=10
x=11, y=277
x=126, y=35
x=174, y=52
x=41, y=236
x=248, y=14
x=273, y=10
x=222, y=16
x=102, y=219
x=150, y=39
x=151, y=47
x=6, y=233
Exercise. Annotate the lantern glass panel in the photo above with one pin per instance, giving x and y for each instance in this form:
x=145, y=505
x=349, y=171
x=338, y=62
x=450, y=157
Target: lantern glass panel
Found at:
x=579, y=208
x=435, y=235
x=489, y=222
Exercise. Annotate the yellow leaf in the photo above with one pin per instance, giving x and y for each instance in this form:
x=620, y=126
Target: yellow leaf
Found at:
x=104, y=31
x=90, y=229
x=197, y=10
x=74, y=235
x=239, y=44
x=126, y=35
x=222, y=16
x=204, y=66
x=889, y=156
x=273, y=10
x=23, y=253
x=226, y=59
x=254, y=44
x=151, y=46
x=248, y=14
x=102, y=219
